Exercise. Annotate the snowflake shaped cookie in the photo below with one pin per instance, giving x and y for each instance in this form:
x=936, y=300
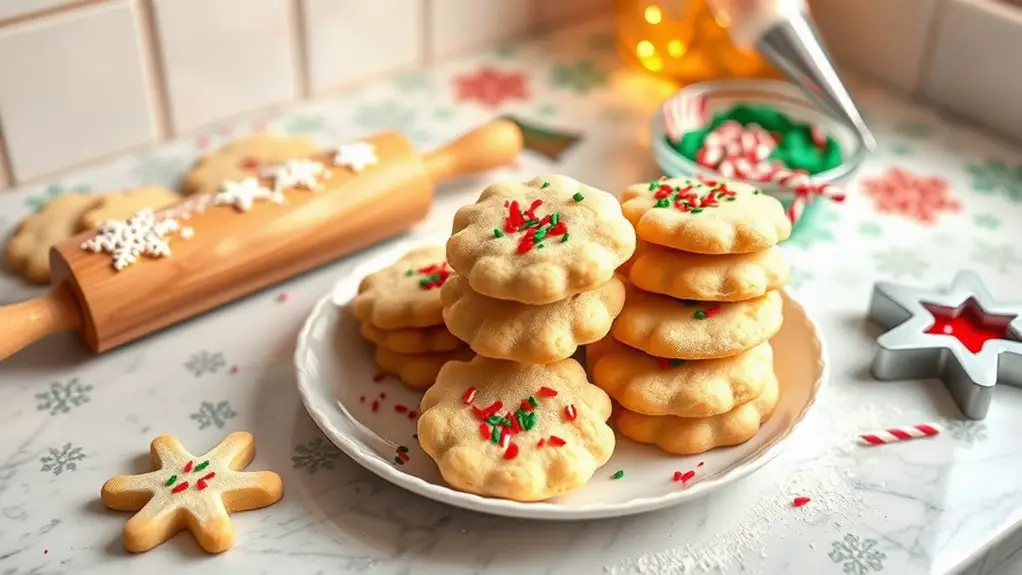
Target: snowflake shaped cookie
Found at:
x=515, y=431
x=306, y=174
x=189, y=492
x=126, y=240
x=243, y=194
x=357, y=156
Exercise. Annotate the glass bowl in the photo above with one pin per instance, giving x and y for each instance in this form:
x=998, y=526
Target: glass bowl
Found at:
x=788, y=98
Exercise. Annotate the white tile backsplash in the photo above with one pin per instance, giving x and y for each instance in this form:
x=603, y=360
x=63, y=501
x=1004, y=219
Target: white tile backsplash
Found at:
x=348, y=40
x=72, y=89
x=224, y=57
x=886, y=38
x=457, y=26
x=14, y=8
x=974, y=67
x=558, y=12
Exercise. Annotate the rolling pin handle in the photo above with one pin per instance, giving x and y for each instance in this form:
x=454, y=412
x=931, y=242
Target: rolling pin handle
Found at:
x=487, y=147
x=29, y=321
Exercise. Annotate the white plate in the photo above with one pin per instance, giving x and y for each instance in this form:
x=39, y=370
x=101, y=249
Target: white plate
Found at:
x=336, y=382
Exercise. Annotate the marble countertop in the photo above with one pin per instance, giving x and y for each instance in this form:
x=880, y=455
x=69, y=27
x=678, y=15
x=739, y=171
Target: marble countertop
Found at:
x=70, y=420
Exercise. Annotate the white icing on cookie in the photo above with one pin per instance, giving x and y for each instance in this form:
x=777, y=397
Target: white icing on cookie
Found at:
x=242, y=195
x=298, y=174
x=141, y=234
x=356, y=156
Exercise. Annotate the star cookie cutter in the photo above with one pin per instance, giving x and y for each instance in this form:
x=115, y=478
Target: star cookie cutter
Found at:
x=911, y=350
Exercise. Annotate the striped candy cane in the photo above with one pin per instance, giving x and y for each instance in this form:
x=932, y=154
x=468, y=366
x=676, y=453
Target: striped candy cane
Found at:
x=900, y=434
x=683, y=110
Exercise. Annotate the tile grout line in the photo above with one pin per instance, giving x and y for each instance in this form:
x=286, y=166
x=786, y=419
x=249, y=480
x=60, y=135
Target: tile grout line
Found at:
x=7, y=179
x=151, y=60
x=302, y=76
x=426, y=53
x=930, y=46
x=72, y=6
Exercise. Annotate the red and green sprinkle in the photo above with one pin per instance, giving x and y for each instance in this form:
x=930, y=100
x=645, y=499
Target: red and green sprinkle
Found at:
x=433, y=276
x=618, y=474
x=190, y=467
x=498, y=429
x=687, y=199
x=536, y=228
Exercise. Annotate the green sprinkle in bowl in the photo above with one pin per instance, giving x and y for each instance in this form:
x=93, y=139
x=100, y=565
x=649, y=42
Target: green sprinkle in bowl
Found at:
x=787, y=98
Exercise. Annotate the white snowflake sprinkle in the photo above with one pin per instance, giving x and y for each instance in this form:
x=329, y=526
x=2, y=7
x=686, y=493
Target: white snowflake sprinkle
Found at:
x=141, y=234
x=298, y=173
x=356, y=156
x=242, y=195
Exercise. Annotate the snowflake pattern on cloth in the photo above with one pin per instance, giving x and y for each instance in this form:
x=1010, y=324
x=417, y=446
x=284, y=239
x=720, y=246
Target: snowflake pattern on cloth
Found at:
x=857, y=556
x=996, y=176
x=314, y=455
x=968, y=432
x=491, y=87
x=919, y=198
x=357, y=156
x=126, y=240
x=581, y=76
x=1002, y=257
x=205, y=362
x=898, y=262
x=63, y=397
x=216, y=415
x=244, y=194
x=60, y=460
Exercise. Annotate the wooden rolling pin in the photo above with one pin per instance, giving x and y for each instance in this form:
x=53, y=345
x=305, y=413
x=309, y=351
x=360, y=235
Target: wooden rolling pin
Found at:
x=233, y=253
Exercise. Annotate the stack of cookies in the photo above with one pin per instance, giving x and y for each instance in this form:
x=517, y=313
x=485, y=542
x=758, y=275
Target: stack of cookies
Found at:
x=534, y=277
x=689, y=361
x=399, y=308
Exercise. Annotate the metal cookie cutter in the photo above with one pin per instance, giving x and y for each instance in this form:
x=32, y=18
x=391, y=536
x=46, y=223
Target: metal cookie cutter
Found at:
x=986, y=350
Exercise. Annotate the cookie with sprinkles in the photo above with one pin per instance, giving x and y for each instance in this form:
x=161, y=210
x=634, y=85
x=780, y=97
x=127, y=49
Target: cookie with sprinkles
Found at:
x=417, y=370
x=515, y=431
x=705, y=216
x=692, y=435
x=684, y=275
x=685, y=329
x=652, y=385
x=242, y=159
x=412, y=340
x=405, y=294
x=539, y=334
x=191, y=492
x=539, y=241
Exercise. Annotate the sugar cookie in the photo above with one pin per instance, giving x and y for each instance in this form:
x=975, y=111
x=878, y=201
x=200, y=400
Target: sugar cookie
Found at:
x=540, y=334
x=666, y=327
x=243, y=159
x=412, y=340
x=515, y=431
x=126, y=203
x=539, y=241
x=685, y=275
x=417, y=371
x=188, y=492
x=405, y=294
x=28, y=249
x=689, y=436
x=657, y=386
x=705, y=217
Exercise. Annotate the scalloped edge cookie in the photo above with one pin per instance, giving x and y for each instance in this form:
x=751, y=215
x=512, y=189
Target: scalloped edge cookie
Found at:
x=665, y=327
x=417, y=370
x=741, y=219
x=725, y=278
x=690, y=436
x=381, y=302
x=591, y=239
x=548, y=455
x=538, y=334
x=412, y=340
x=651, y=385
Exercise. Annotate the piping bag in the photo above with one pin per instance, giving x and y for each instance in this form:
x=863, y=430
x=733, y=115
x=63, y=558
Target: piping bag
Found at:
x=786, y=36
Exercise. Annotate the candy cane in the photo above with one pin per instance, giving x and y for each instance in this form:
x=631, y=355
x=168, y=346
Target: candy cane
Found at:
x=683, y=110
x=892, y=435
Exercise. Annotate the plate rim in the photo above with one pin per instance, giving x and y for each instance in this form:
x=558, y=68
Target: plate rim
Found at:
x=542, y=509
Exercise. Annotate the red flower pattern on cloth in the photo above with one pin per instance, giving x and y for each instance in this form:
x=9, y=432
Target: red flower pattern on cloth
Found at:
x=491, y=87
x=919, y=198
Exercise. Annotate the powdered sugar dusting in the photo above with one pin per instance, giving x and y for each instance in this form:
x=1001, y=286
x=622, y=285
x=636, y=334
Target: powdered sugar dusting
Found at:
x=822, y=477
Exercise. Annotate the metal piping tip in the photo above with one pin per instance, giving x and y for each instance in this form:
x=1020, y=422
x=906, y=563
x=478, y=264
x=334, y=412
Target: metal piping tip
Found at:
x=794, y=47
